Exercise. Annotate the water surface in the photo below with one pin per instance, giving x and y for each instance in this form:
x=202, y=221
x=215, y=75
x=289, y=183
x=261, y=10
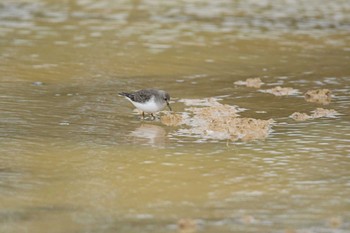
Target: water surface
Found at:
x=75, y=158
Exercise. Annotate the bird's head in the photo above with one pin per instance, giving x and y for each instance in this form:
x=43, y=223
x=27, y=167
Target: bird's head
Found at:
x=166, y=97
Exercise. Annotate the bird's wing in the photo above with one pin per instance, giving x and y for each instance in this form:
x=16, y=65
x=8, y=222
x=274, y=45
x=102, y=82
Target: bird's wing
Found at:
x=142, y=96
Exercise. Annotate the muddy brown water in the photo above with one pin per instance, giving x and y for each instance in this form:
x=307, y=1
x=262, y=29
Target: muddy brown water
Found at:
x=75, y=158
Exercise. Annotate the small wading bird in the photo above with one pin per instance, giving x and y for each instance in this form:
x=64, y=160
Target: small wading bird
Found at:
x=148, y=100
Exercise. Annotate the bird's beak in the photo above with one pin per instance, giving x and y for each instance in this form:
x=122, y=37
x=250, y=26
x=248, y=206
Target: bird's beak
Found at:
x=167, y=103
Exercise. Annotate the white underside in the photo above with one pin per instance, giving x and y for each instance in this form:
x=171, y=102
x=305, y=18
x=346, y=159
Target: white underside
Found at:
x=150, y=106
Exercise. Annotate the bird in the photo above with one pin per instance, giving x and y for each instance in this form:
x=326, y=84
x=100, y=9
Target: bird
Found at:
x=148, y=100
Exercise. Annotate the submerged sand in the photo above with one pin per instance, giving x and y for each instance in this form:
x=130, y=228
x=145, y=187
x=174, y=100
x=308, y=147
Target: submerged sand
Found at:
x=208, y=119
x=250, y=82
x=218, y=121
x=317, y=113
x=320, y=96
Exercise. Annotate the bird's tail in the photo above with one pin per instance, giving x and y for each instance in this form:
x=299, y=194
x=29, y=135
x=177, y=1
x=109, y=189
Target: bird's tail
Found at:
x=125, y=94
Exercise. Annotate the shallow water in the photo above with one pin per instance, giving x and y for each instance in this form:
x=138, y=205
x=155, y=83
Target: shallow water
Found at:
x=75, y=158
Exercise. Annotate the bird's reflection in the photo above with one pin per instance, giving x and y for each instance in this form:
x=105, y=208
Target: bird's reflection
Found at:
x=153, y=135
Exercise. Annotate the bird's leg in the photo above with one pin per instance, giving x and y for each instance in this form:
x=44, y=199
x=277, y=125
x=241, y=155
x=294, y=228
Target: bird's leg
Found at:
x=153, y=117
x=143, y=115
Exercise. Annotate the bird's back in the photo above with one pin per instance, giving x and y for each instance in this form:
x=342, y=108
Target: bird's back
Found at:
x=140, y=96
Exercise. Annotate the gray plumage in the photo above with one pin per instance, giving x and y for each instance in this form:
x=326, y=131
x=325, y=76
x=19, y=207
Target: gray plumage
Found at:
x=145, y=95
x=148, y=100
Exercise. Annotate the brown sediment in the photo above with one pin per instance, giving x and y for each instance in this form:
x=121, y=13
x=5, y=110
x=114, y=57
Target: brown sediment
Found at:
x=298, y=116
x=213, y=120
x=245, y=129
x=222, y=122
x=172, y=119
x=320, y=96
x=335, y=222
x=216, y=111
x=187, y=225
x=281, y=91
x=317, y=113
x=250, y=82
x=321, y=112
x=247, y=219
